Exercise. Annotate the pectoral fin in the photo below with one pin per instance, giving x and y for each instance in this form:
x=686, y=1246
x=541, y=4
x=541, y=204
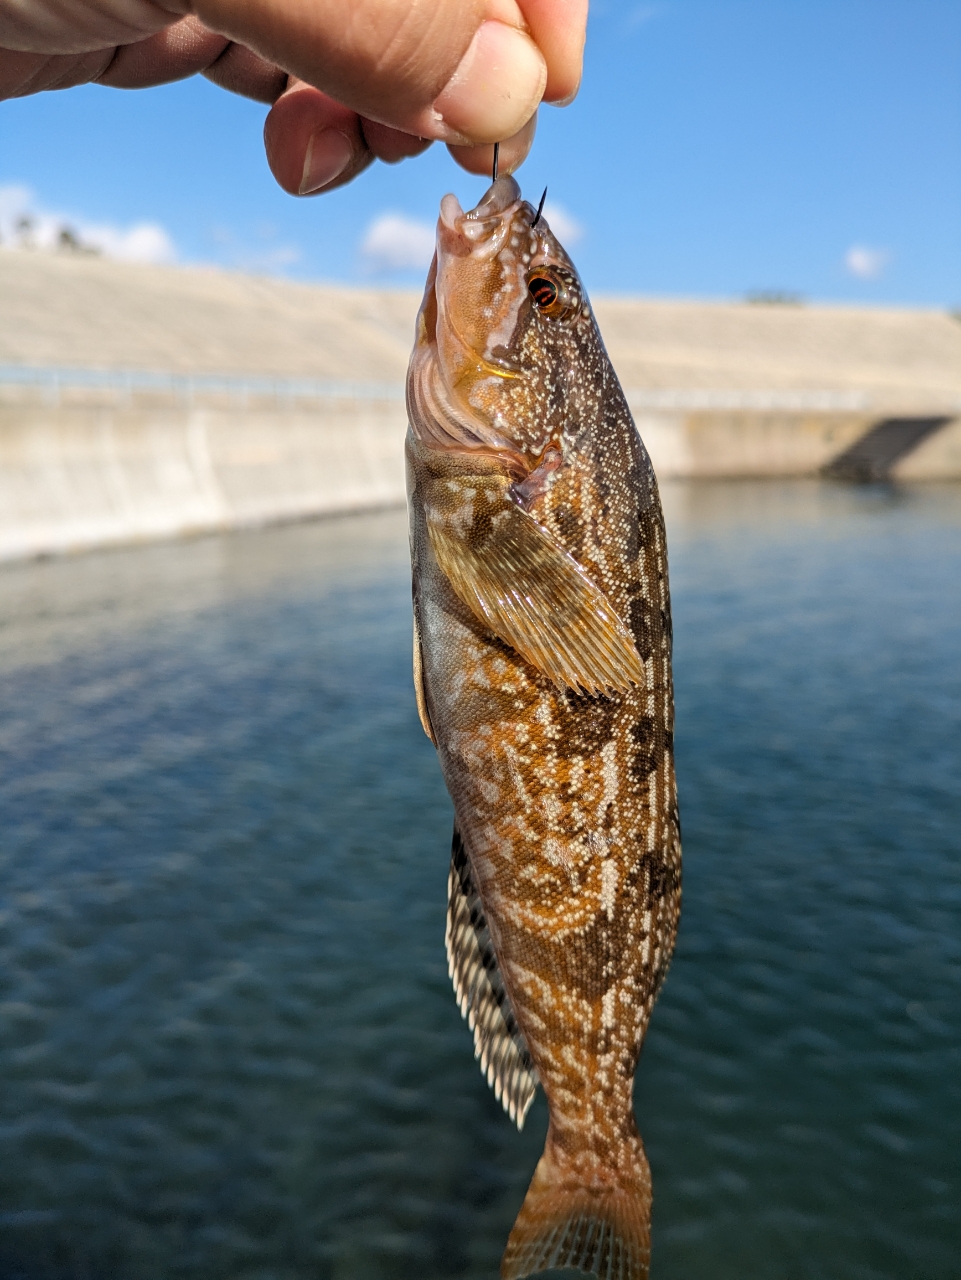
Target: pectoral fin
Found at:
x=498, y=1042
x=529, y=591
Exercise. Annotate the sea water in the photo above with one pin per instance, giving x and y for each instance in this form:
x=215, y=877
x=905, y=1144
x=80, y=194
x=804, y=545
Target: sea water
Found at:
x=228, y=1045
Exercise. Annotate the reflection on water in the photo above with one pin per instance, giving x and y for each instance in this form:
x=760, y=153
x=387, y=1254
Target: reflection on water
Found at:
x=228, y=1048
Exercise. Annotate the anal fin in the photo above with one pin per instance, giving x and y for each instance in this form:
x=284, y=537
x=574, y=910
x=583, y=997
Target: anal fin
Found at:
x=498, y=1042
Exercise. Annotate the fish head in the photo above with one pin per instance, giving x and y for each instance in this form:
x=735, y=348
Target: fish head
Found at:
x=501, y=332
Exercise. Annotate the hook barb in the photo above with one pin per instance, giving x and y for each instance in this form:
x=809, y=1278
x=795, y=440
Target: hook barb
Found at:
x=497, y=150
x=540, y=210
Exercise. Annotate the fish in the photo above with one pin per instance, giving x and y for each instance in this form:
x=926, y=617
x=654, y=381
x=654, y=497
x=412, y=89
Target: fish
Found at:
x=542, y=669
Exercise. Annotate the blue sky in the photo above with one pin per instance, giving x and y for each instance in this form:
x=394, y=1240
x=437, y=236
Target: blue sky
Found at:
x=717, y=148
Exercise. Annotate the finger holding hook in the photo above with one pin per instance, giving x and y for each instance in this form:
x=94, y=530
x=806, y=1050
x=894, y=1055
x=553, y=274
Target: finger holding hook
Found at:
x=511, y=153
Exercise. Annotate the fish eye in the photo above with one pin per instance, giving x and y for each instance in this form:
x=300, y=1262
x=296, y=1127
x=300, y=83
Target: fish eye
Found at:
x=543, y=291
x=552, y=293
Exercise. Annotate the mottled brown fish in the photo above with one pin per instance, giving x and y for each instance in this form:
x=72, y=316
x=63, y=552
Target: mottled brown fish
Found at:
x=542, y=663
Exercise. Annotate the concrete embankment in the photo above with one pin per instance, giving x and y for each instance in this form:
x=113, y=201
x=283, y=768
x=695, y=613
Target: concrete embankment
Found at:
x=275, y=400
x=88, y=474
x=791, y=442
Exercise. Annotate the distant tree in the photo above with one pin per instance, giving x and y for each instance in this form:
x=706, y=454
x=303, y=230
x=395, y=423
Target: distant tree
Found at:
x=774, y=298
x=69, y=242
x=25, y=227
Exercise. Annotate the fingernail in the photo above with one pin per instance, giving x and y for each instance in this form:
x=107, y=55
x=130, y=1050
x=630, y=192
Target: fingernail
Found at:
x=496, y=88
x=566, y=101
x=329, y=152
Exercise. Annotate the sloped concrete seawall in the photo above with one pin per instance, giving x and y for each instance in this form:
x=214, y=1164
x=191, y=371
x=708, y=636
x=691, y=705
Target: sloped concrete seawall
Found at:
x=140, y=402
x=87, y=474
x=107, y=468
x=757, y=443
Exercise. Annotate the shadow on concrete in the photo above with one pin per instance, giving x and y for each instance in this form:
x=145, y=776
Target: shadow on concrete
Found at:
x=872, y=456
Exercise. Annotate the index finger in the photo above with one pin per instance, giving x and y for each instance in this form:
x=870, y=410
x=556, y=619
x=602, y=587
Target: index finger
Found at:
x=559, y=28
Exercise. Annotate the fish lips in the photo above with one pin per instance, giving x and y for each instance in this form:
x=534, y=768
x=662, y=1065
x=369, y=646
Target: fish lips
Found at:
x=482, y=229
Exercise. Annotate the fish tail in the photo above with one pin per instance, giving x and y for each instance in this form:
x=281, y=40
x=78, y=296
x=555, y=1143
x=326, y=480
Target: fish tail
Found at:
x=603, y=1229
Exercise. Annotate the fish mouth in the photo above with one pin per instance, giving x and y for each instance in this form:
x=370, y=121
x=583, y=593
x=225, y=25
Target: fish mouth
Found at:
x=499, y=198
x=463, y=360
x=483, y=229
x=479, y=235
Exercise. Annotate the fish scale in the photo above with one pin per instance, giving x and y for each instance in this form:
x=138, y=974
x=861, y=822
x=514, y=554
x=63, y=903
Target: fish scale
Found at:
x=543, y=675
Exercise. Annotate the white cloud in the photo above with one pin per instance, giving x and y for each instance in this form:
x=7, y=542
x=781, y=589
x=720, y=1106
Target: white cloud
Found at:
x=865, y=263
x=262, y=254
x=284, y=255
x=640, y=15
x=142, y=242
x=394, y=242
x=564, y=225
x=13, y=200
x=25, y=224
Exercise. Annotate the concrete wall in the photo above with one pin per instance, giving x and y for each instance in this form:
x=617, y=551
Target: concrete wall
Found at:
x=80, y=475
x=937, y=458
x=98, y=466
x=742, y=443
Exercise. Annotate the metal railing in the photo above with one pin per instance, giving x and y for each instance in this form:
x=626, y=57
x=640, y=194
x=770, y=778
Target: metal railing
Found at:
x=52, y=380
x=787, y=400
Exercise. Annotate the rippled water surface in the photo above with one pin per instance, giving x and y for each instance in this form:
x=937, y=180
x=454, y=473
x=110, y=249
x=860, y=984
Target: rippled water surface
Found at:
x=228, y=1048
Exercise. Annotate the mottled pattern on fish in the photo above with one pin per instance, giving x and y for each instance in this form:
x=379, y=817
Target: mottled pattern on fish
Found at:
x=564, y=800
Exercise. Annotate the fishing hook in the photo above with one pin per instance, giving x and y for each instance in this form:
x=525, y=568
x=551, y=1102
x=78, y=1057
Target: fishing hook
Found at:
x=540, y=210
x=497, y=149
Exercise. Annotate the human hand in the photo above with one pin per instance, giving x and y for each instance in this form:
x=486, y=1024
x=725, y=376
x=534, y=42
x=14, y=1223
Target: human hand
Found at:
x=348, y=80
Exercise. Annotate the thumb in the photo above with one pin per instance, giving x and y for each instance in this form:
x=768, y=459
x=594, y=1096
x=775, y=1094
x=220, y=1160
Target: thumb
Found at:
x=466, y=72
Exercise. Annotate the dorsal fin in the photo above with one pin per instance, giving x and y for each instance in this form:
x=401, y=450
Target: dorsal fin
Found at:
x=498, y=1042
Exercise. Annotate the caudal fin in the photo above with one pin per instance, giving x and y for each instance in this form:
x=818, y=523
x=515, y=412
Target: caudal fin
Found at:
x=603, y=1229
